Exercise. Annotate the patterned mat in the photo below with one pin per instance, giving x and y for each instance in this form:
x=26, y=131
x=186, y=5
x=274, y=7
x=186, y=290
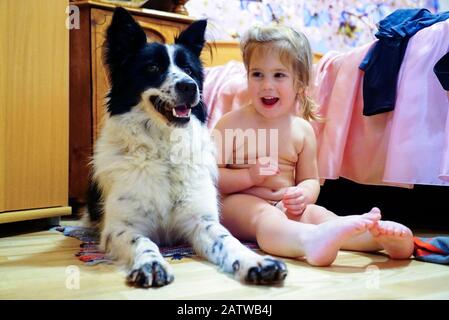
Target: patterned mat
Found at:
x=90, y=254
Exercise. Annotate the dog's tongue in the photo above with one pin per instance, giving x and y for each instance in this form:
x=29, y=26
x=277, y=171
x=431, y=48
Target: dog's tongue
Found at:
x=182, y=111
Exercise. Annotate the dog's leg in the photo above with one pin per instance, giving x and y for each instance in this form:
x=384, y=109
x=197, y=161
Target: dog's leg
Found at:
x=214, y=242
x=124, y=239
x=145, y=264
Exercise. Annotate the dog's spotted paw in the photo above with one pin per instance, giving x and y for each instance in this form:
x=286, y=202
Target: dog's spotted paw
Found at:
x=150, y=274
x=267, y=270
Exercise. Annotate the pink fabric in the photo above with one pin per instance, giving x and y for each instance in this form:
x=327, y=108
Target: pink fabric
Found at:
x=407, y=146
x=418, y=151
x=224, y=90
x=350, y=145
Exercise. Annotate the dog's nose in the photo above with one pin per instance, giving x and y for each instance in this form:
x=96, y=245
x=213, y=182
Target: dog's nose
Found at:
x=186, y=90
x=186, y=86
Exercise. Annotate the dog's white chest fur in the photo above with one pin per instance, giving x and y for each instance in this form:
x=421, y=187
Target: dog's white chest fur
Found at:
x=159, y=169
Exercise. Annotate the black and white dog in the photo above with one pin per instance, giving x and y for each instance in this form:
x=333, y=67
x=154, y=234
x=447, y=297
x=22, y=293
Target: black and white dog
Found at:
x=149, y=186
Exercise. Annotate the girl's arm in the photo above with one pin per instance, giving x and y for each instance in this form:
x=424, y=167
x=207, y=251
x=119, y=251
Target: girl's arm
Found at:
x=233, y=180
x=229, y=180
x=311, y=190
x=236, y=180
x=307, y=178
x=307, y=187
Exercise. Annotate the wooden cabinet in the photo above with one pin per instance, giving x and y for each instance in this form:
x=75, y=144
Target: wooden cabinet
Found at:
x=34, y=92
x=89, y=81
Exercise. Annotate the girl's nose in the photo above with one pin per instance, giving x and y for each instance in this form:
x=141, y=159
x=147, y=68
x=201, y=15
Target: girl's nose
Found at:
x=267, y=83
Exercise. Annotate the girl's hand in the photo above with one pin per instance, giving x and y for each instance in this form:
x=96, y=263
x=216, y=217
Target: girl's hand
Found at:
x=264, y=168
x=294, y=201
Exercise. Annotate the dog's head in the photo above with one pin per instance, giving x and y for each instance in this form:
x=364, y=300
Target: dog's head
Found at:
x=167, y=79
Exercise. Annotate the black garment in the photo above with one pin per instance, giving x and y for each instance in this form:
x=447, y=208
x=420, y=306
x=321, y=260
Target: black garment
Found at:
x=383, y=61
x=441, y=69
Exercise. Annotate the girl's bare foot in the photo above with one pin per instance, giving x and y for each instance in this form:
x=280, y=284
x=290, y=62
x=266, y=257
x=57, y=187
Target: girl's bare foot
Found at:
x=321, y=245
x=395, y=238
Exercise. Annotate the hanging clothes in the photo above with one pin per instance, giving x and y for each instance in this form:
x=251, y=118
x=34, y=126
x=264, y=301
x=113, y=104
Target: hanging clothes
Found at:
x=441, y=70
x=384, y=59
x=402, y=148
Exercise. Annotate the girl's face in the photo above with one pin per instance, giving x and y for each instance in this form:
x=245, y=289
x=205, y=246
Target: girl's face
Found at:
x=270, y=85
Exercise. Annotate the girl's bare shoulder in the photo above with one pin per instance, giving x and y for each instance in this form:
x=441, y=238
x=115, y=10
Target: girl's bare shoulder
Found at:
x=303, y=133
x=234, y=119
x=302, y=126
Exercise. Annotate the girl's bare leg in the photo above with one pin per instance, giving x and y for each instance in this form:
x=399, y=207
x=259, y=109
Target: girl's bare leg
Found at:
x=251, y=218
x=395, y=238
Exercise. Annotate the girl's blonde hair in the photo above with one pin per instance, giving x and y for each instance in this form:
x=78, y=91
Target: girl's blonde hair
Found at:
x=294, y=51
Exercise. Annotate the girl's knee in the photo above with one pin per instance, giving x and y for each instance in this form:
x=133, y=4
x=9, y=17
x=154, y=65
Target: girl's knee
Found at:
x=315, y=214
x=267, y=215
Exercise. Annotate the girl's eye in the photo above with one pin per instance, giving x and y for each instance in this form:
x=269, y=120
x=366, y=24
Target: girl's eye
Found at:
x=256, y=74
x=280, y=75
x=153, y=68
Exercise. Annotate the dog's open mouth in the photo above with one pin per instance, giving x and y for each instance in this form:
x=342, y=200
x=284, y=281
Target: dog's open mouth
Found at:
x=179, y=113
x=182, y=111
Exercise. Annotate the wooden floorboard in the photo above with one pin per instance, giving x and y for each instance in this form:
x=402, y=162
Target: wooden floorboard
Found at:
x=37, y=265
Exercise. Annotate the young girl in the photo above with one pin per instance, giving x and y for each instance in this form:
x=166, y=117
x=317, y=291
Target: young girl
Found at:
x=268, y=175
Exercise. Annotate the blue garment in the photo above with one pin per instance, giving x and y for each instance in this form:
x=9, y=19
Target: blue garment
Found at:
x=435, y=250
x=441, y=70
x=383, y=61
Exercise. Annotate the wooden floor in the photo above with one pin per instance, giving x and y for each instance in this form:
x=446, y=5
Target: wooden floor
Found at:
x=42, y=265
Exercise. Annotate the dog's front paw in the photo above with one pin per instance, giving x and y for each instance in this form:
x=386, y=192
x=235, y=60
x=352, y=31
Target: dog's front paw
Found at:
x=267, y=270
x=150, y=274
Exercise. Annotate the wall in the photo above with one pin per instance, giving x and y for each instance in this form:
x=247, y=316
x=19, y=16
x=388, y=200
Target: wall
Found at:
x=329, y=24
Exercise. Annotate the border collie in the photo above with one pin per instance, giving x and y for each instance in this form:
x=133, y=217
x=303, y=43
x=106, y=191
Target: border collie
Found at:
x=154, y=167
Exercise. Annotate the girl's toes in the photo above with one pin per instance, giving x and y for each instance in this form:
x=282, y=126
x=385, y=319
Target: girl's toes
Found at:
x=375, y=231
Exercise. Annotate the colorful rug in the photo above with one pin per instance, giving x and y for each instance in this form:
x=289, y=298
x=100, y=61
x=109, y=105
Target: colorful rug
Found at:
x=90, y=254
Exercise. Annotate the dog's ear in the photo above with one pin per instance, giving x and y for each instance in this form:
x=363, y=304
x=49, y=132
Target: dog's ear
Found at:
x=124, y=37
x=193, y=37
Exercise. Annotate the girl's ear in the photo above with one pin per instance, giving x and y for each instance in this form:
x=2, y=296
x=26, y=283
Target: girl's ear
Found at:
x=300, y=89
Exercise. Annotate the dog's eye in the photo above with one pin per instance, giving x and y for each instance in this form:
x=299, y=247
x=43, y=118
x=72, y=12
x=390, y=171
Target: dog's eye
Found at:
x=187, y=70
x=153, y=68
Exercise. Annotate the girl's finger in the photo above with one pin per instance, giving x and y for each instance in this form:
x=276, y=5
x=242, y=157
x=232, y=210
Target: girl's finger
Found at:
x=294, y=206
x=295, y=212
x=294, y=194
x=293, y=201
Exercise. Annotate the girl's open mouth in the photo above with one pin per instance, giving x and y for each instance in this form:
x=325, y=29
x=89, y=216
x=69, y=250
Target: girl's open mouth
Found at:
x=269, y=101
